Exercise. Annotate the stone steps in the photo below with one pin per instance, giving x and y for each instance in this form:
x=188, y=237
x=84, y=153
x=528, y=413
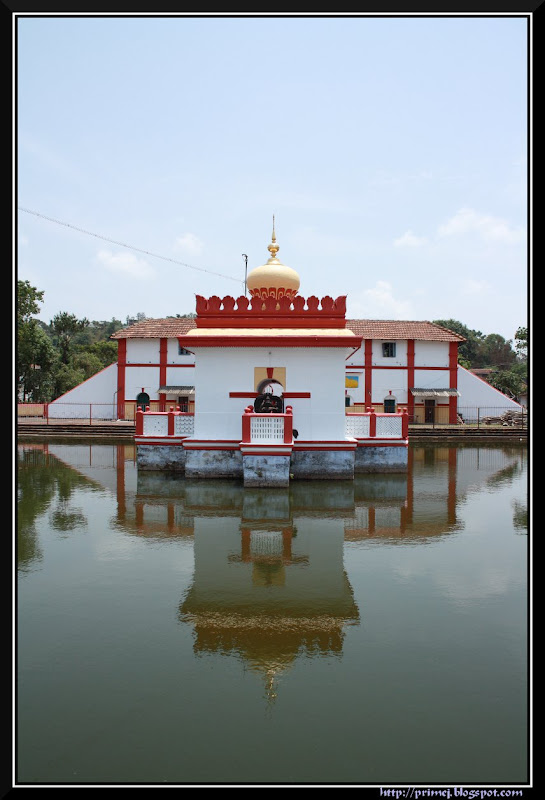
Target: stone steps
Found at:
x=127, y=431
x=76, y=430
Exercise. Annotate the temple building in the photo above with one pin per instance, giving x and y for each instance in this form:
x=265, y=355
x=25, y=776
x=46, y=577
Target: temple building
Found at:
x=296, y=352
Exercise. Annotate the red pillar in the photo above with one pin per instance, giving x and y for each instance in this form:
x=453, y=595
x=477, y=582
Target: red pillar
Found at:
x=170, y=429
x=404, y=424
x=410, y=376
x=121, y=371
x=372, y=424
x=288, y=425
x=453, y=374
x=368, y=361
x=246, y=430
x=162, y=371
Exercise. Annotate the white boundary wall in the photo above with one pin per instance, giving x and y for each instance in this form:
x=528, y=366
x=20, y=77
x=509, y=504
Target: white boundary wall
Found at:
x=99, y=389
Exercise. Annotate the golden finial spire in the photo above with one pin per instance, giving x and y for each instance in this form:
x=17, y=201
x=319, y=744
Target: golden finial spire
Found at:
x=273, y=248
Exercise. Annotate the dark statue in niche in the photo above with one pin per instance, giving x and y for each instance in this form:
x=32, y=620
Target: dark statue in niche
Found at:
x=268, y=403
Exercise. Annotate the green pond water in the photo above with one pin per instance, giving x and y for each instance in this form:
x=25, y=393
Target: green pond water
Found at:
x=368, y=633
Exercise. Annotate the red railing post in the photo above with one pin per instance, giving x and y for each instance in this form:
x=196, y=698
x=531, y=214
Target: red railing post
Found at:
x=405, y=423
x=246, y=425
x=288, y=425
x=372, y=423
x=170, y=428
x=139, y=422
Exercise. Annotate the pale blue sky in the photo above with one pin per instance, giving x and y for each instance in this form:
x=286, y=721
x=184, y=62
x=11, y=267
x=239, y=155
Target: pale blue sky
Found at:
x=392, y=151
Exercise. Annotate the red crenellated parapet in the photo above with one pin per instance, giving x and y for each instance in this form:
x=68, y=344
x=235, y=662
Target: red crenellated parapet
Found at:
x=267, y=312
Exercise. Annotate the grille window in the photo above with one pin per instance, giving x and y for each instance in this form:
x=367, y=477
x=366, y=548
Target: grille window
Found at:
x=389, y=349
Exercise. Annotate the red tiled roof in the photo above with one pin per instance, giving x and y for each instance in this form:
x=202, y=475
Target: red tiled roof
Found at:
x=168, y=328
x=401, y=329
x=172, y=327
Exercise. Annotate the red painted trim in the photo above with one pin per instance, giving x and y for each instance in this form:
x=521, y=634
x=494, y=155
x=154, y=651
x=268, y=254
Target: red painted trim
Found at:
x=162, y=362
x=288, y=425
x=210, y=447
x=270, y=322
x=253, y=395
x=157, y=364
x=405, y=423
x=286, y=453
x=283, y=310
x=324, y=448
x=121, y=370
x=453, y=366
x=382, y=443
x=368, y=360
x=267, y=341
x=329, y=442
x=410, y=374
x=145, y=442
x=372, y=424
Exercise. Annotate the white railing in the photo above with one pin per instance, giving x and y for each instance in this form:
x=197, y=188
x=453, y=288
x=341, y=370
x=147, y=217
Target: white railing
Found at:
x=357, y=425
x=370, y=425
x=184, y=425
x=155, y=424
x=389, y=425
x=267, y=428
x=164, y=423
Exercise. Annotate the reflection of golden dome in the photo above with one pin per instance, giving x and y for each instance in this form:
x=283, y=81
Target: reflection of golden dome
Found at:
x=273, y=279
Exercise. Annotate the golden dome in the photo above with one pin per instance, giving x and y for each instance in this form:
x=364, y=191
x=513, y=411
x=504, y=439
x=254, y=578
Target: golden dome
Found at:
x=273, y=279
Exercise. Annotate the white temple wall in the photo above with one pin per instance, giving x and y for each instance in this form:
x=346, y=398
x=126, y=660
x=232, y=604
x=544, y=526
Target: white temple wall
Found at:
x=319, y=372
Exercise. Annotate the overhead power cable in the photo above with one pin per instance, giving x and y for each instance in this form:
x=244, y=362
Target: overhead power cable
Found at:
x=129, y=246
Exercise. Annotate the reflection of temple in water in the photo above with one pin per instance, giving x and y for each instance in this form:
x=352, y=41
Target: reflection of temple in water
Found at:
x=269, y=583
x=268, y=590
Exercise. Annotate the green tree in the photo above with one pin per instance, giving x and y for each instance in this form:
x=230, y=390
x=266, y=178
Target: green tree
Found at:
x=497, y=351
x=36, y=355
x=87, y=362
x=106, y=352
x=67, y=377
x=511, y=382
x=64, y=327
x=36, y=362
x=521, y=343
x=28, y=302
x=468, y=351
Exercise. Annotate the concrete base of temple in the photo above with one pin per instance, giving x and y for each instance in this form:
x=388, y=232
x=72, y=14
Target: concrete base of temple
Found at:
x=322, y=464
x=381, y=459
x=266, y=470
x=163, y=458
x=272, y=466
x=213, y=464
